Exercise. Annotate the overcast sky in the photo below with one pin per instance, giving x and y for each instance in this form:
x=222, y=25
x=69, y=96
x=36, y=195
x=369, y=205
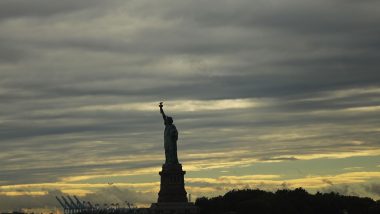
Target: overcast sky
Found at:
x=265, y=94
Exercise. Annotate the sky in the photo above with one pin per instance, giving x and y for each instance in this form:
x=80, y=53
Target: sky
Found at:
x=267, y=94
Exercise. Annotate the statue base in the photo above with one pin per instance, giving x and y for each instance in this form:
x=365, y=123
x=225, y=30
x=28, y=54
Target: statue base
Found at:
x=174, y=208
x=172, y=187
x=172, y=198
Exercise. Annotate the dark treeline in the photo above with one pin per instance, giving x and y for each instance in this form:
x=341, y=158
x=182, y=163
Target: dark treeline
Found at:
x=296, y=201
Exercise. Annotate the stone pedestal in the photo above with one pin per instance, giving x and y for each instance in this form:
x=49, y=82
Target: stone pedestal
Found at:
x=172, y=187
x=172, y=198
x=174, y=208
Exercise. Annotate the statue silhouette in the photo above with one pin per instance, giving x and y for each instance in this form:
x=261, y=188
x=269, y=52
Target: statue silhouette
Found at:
x=170, y=138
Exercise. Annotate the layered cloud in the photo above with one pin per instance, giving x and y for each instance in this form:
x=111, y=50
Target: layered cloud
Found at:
x=46, y=201
x=250, y=84
x=353, y=183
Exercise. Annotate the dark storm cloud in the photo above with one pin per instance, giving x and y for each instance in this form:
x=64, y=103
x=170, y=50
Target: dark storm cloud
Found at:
x=41, y=8
x=37, y=174
x=11, y=53
x=248, y=78
x=296, y=16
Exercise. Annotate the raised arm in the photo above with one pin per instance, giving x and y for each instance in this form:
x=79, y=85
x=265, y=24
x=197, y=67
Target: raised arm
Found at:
x=162, y=111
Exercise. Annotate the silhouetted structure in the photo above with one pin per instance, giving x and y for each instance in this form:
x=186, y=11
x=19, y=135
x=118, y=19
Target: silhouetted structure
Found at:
x=170, y=139
x=172, y=196
x=172, y=187
x=296, y=201
x=77, y=207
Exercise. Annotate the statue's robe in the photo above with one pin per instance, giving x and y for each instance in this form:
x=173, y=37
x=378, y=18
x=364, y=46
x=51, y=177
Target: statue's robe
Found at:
x=170, y=144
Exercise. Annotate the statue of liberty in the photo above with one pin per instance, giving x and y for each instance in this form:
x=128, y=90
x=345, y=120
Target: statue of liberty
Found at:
x=170, y=138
